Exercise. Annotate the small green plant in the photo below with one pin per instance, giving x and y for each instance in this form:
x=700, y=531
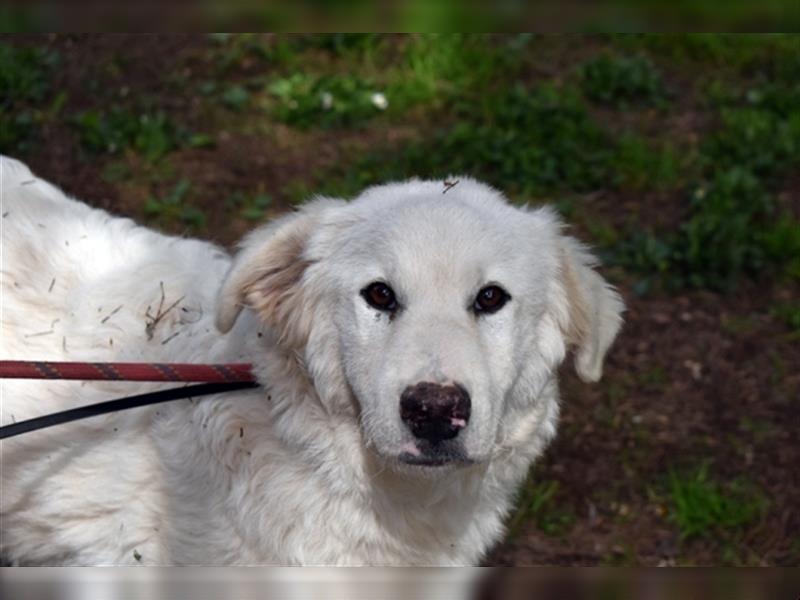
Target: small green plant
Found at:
x=250, y=207
x=24, y=81
x=789, y=313
x=24, y=73
x=539, y=503
x=151, y=135
x=327, y=101
x=764, y=142
x=719, y=241
x=702, y=507
x=646, y=254
x=622, y=81
x=236, y=97
x=637, y=165
x=441, y=68
x=653, y=378
x=342, y=44
x=602, y=233
x=116, y=171
x=761, y=430
x=173, y=207
x=234, y=50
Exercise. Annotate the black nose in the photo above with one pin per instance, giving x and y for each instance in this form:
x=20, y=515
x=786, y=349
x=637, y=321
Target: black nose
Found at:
x=435, y=412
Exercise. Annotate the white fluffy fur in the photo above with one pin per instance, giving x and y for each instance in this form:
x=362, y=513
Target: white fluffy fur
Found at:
x=303, y=470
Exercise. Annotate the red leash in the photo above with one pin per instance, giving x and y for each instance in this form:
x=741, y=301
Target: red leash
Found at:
x=91, y=371
x=215, y=379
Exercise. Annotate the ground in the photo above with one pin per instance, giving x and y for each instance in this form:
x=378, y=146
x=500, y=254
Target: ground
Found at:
x=676, y=157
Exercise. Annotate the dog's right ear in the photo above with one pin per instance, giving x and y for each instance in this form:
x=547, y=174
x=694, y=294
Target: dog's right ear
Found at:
x=267, y=273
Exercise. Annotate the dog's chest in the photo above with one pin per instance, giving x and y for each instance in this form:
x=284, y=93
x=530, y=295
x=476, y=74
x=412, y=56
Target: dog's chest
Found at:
x=263, y=505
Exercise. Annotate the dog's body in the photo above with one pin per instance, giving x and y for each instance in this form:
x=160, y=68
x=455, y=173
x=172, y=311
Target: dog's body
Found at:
x=319, y=466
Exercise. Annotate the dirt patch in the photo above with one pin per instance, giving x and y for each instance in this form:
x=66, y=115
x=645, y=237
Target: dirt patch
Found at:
x=698, y=377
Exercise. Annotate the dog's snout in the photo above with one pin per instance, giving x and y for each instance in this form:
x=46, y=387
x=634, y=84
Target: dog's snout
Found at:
x=435, y=412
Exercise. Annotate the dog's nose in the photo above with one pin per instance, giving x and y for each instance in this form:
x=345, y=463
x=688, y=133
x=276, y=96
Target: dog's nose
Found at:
x=435, y=412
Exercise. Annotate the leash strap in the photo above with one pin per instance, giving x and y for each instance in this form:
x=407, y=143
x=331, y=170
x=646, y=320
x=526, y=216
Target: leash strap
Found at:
x=118, y=371
x=102, y=408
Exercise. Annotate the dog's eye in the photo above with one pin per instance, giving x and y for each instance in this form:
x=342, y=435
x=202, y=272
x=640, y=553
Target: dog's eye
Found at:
x=490, y=299
x=379, y=295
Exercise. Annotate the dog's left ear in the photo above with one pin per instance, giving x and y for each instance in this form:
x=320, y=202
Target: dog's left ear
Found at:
x=593, y=312
x=267, y=273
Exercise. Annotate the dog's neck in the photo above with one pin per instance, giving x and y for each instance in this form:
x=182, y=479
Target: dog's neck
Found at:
x=445, y=506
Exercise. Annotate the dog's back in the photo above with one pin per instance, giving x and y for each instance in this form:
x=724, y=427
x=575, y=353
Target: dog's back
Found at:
x=81, y=285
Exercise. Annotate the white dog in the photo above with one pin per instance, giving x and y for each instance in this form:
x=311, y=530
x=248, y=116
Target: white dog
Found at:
x=407, y=343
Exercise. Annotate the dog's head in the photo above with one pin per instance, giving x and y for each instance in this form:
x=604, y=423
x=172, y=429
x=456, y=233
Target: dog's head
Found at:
x=444, y=309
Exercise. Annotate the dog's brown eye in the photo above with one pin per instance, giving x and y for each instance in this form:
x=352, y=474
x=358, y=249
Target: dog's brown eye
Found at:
x=379, y=295
x=490, y=299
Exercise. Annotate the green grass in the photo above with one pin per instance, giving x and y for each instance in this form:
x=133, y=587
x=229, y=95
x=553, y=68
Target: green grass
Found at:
x=733, y=231
x=789, y=313
x=623, y=81
x=539, y=503
x=762, y=141
x=174, y=207
x=346, y=45
x=307, y=101
x=653, y=378
x=236, y=97
x=639, y=165
x=24, y=94
x=702, y=507
x=250, y=207
x=722, y=238
x=530, y=141
x=230, y=51
x=152, y=135
x=439, y=69
x=732, y=55
x=430, y=69
x=761, y=430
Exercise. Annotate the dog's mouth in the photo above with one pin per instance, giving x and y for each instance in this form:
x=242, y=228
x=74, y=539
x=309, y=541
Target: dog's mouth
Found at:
x=424, y=461
x=424, y=454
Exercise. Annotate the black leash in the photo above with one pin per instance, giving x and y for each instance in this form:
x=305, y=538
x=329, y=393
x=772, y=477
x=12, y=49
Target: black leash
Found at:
x=93, y=410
